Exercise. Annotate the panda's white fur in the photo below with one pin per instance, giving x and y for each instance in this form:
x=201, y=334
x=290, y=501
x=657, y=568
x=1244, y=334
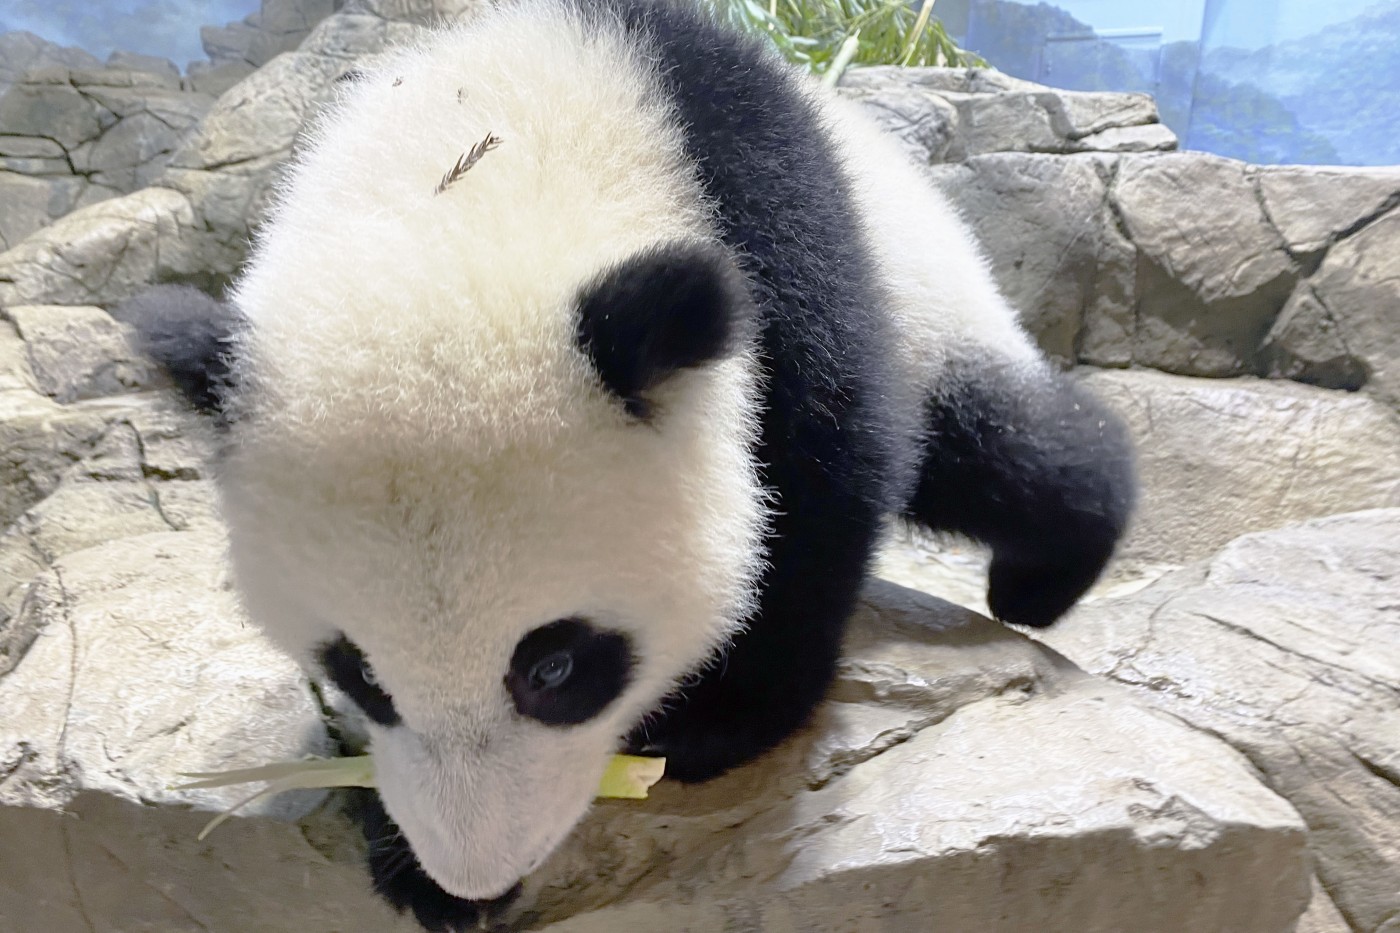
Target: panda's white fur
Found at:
x=941, y=293
x=422, y=459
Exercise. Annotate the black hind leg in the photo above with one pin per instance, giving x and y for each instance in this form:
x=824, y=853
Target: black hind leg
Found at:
x=1029, y=463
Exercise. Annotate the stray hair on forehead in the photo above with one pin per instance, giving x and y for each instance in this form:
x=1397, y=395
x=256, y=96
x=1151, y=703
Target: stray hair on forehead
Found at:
x=466, y=161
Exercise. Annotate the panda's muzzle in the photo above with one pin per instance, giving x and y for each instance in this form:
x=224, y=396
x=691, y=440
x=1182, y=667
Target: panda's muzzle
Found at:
x=399, y=877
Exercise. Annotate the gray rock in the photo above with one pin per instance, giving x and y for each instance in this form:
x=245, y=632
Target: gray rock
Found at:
x=41, y=440
x=899, y=805
x=1045, y=120
x=955, y=80
x=107, y=252
x=1306, y=343
x=28, y=204
x=278, y=26
x=78, y=353
x=1322, y=915
x=86, y=136
x=260, y=116
x=1153, y=137
x=959, y=775
x=1213, y=271
x=215, y=80
x=293, y=17
x=22, y=51
x=135, y=61
x=33, y=155
x=1294, y=644
x=1219, y=458
x=1005, y=122
x=48, y=105
x=1055, y=250
x=415, y=12
x=949, y=568
x=141, y=471
x=138, y=636
x=1313, y=206
x=1083, y=114
x=134, y=152
x=948, y=114
x=1191, y=263
x=1342, y=327
x=230, y=43
x=109, y=864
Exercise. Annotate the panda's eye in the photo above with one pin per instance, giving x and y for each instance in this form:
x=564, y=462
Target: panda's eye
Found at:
x=552, y=671
x=350, y=670
x=568, y=671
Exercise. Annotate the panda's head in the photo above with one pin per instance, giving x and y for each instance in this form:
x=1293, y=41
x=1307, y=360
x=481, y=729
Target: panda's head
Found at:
x=506, y=563
x=488, y=454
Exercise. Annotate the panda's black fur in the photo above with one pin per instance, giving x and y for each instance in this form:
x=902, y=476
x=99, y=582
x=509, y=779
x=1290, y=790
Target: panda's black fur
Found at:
x=1041, y=473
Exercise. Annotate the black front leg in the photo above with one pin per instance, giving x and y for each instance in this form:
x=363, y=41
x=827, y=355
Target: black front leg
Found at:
x=765, y=687
x=1024, y=460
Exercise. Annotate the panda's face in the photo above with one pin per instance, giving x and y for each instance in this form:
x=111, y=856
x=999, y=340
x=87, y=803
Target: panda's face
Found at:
x=451, y=792
x=507, y=599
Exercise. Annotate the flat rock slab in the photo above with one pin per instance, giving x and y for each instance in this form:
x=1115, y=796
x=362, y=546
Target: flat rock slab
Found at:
x=1287, y=645
x=1342, y=327
x=961, y=777
x=951, y=114
x=111, y=250
x=79, y=353
x=1221, y=457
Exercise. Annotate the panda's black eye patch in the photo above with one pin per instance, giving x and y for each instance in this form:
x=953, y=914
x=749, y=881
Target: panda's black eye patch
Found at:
x=567, y=672
x=350, y=670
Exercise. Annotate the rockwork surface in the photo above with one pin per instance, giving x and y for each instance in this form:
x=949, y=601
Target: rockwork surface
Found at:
x=1286, y=644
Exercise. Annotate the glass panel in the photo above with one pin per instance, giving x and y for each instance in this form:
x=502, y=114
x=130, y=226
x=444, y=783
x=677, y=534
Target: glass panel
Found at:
x=1263, y=80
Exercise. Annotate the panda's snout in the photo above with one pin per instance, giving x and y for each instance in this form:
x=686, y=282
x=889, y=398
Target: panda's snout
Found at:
x=399, y=877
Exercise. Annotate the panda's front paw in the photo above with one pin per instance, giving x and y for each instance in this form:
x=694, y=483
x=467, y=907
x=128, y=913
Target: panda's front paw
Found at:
x=401, y=880
x=1025, y=592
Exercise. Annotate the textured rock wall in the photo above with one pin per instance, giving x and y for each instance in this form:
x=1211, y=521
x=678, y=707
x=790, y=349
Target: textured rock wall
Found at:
x=70, y=138
x=1194, y=264
x=1294, y=645
x=1119, y=253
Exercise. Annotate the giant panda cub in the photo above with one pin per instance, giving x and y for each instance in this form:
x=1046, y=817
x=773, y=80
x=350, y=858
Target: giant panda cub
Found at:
x=565, y=395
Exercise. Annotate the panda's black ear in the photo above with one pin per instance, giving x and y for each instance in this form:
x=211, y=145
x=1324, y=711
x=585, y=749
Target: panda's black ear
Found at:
x=187, y=333
x=669, y=308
